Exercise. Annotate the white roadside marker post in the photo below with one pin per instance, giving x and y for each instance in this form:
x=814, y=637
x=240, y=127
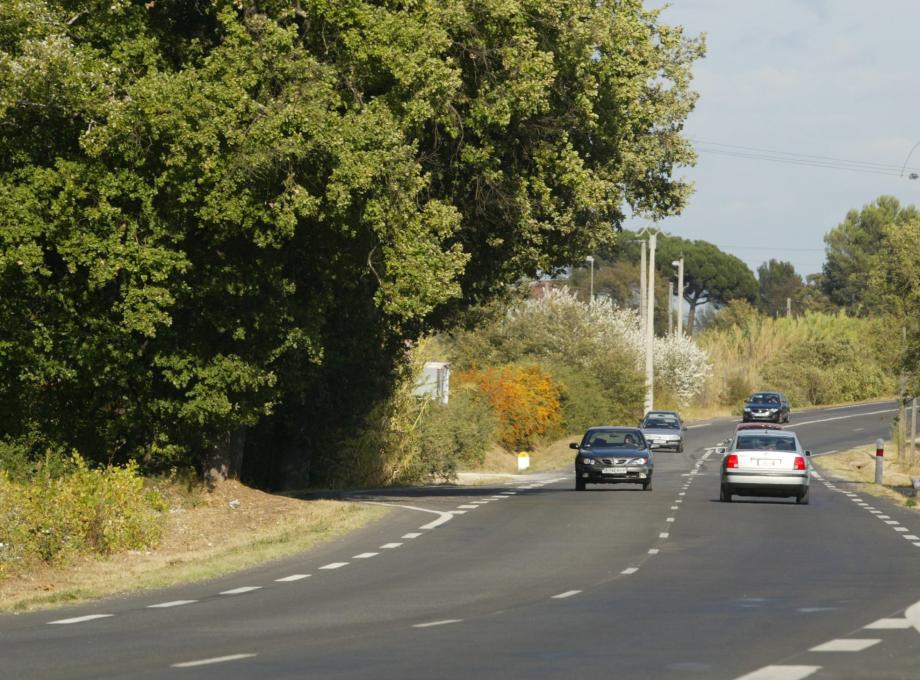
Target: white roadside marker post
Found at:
x=879, y=459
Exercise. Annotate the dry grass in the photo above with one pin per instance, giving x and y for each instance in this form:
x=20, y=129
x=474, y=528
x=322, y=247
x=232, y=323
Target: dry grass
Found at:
x=545, y=458
x=205, y=538
x=858, y=465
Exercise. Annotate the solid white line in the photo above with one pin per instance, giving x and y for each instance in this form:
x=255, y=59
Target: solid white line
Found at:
x=216, y=659
x=845, y=645
x=80, y=619
x=630, y=570
x=174, y=603
x=390, y=546
x=334, y=565
x=240, y=591
x=827, y=420
x=442, y=516
x=781, y=673
x=436, y=623
x=889, y=624
x=413, y=534
x=568, y=593
x=292, y=577
x=364, y=556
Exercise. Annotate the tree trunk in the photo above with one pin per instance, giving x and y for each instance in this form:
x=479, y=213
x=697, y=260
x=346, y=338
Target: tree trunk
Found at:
x=691, y=317
x=226, y=460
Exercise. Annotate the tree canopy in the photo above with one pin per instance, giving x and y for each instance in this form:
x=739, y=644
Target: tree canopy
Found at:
x=224, y=214
x=778, y=281
x=853, y=252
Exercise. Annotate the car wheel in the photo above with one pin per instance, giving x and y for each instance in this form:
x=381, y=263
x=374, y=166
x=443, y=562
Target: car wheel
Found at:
x=579, y=484
x=802, y=499
x=744, y=419
x=647, y=486
x=724, y=495
x=787, y=417
x=680, y=449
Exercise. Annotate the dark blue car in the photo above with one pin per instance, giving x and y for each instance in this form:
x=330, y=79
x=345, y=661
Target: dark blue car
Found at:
x=613, y=455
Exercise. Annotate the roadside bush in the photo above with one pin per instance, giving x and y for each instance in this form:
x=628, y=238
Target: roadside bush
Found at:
x=817, y=358
x=459, y=432
x=53, y=518
x=526, y=401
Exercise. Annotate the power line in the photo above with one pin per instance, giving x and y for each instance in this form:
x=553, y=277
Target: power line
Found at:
x=800, y=162
x=792, y=155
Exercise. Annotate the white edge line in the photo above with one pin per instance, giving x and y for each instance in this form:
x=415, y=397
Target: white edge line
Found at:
x=216, y=659
x=442, y=516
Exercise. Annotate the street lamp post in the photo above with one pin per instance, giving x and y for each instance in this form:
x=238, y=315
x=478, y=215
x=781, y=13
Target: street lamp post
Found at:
x=680, y=295
x=650, y=326
x=590, y=260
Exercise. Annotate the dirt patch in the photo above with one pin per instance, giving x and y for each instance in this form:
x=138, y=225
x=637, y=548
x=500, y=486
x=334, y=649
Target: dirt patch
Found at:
x=208, y=533
x=858, y=466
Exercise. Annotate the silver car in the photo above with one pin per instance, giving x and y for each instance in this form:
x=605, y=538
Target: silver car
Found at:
x=765, y=463
x=663, y=430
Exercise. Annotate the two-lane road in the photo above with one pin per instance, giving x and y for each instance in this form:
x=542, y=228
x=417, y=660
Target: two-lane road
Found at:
x=533, y=579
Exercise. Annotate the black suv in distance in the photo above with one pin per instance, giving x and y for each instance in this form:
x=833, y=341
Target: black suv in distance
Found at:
x=772, y=406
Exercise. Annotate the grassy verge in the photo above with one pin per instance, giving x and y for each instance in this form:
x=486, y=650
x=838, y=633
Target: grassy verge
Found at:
x=205, y=537
x=857, y=465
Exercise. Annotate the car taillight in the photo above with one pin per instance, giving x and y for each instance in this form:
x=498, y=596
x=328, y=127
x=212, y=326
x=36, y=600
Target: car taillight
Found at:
x=731, y=461
x=799, y=463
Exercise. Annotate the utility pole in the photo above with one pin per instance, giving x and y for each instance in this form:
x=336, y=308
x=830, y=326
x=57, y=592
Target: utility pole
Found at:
x=788, y=306
x=650, y=326
x=642, y=292
x=680, y=295
x=670, y=308
x=913, y=433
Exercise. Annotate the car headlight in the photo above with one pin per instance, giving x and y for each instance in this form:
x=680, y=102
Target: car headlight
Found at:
x=638, y=461
x=747, y=408
x=587, y=461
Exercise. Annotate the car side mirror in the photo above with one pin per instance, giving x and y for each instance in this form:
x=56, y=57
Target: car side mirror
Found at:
x=573, y=445
x=720, y=449
x=808, y=453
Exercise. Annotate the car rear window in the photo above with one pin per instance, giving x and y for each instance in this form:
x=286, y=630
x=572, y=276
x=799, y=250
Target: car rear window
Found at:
x=764, y=399
x=623, y=438
x=749, y=442
x=663, y=422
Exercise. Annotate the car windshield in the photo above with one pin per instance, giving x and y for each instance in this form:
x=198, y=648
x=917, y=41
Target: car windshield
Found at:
x=661, y=422
x=750, y=442
x=764, y=399
x=619, y=438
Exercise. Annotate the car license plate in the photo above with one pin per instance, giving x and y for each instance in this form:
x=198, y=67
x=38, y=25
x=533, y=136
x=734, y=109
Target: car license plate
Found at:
x=614, y=471
x=767, y=462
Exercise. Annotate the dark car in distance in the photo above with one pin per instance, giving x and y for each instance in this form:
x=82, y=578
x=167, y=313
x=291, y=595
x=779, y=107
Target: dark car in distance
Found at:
x=613, y=455
x=768, y=406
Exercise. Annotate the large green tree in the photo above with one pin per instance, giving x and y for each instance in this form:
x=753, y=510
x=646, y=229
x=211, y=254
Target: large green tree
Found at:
x=853, y=249
x=778, y=282
x=223, y=214
x=711, y=276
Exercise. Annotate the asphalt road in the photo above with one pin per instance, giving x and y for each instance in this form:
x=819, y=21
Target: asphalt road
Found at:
x=532, y=579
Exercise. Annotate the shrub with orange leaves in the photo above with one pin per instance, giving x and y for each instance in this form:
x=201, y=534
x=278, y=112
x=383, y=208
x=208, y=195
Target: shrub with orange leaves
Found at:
x=525, y=398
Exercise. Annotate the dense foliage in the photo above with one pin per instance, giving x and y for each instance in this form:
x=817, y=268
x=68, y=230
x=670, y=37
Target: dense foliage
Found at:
x=226, y=216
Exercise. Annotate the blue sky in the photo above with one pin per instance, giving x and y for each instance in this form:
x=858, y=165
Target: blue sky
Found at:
x=835, y=78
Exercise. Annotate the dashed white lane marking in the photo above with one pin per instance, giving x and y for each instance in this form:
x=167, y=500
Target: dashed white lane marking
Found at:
x=858, y=429
x=334, y=565
x=682, y=493
x=291, y=578
x=364, y=555
x=673, y=507
x=80, y=619
x=654, y=551
x=664, y=534
x=901, y=529
x=216, y=659
x=781, y=673
x=436, y=623
x=467, y=506
x=390, y=546
x=458, y=512
x=413, y=534
x=630, y=570
x=244, y=589
x=917, y=544
x=884, y=517
x=568, y=593
x=174, y=603
x=876, y=512
x=892, y=522
x=888, y=624
x=912, y=537
x=846, y=645
x=508, y=493
x=679, y=500
x=669, y=519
